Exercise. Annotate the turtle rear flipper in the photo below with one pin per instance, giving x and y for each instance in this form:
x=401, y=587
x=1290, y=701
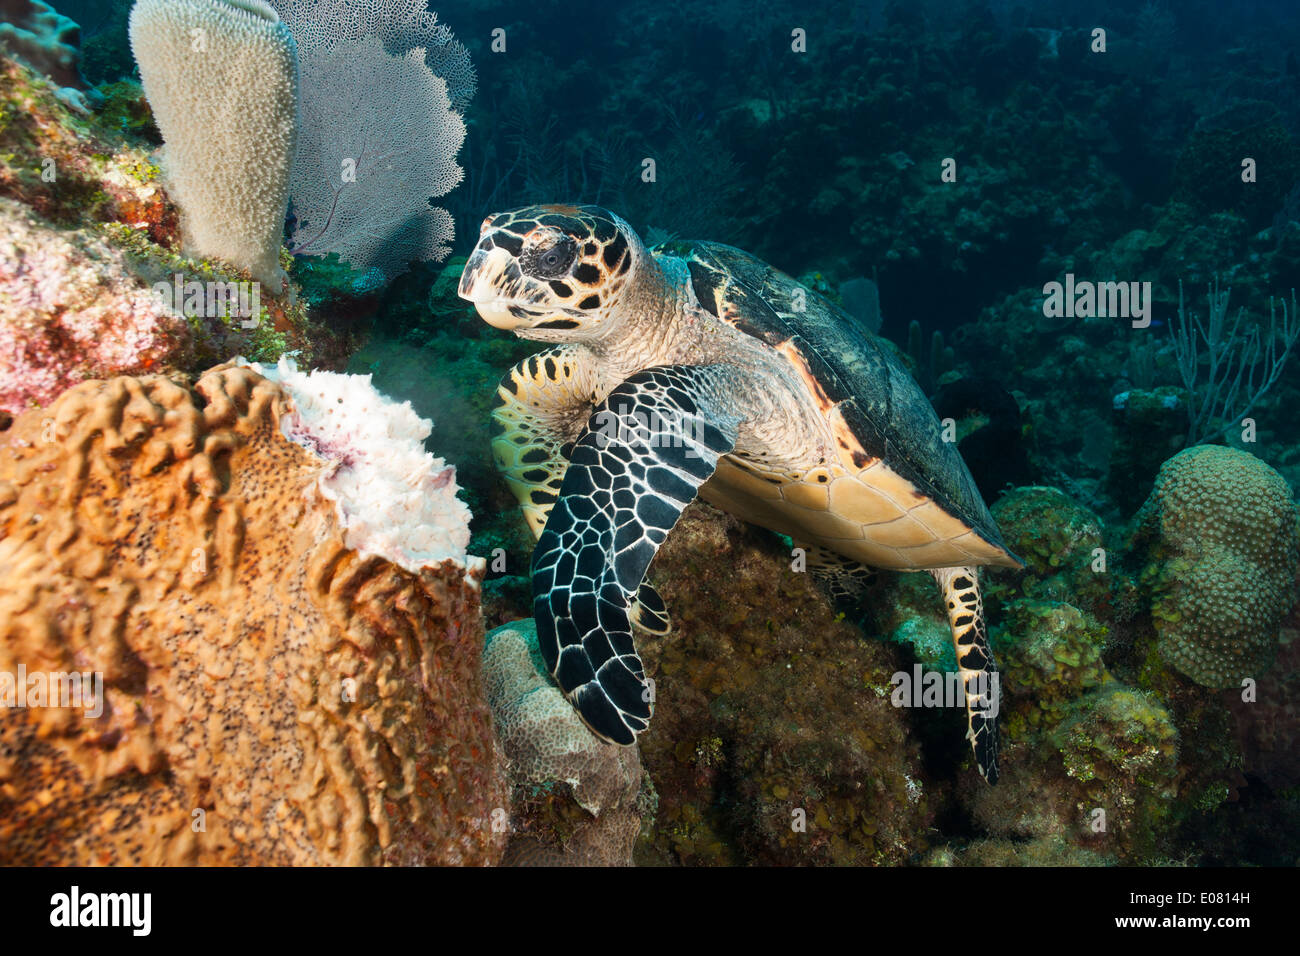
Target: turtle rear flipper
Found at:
x=979, y=671
x=845, y=580
x=643, y=456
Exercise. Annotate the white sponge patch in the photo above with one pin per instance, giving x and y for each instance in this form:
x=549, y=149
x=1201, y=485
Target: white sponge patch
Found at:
x=394, y=499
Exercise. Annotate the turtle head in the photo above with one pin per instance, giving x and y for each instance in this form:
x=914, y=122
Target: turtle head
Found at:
x=552, y=273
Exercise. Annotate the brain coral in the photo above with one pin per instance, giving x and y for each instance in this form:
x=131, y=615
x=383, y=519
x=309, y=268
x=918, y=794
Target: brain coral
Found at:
x=545, y=745
x=1226, y=554
x=269, y=694
x=222, y=79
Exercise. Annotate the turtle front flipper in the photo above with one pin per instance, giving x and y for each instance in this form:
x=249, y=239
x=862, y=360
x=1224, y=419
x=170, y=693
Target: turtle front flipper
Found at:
x=542, y=405
x=979, y=671
x=649, y=613
x=647, y=449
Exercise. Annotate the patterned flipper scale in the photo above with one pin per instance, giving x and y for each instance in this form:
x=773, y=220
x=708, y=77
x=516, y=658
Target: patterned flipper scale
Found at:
x=644, y=454
x=975, y=662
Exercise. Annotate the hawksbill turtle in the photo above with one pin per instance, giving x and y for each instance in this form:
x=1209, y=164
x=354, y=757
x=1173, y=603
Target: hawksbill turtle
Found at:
x=695, y=369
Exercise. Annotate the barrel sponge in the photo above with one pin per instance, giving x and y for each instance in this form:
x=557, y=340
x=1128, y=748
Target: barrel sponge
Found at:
x=1225, y=563
x=270, y=695
x=222, y=79
x=394, y=499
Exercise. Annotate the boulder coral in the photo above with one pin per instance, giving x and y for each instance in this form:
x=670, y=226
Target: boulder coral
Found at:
x=268, y=678
x=1060, y=542
x=1220, y=533
x=554, y=761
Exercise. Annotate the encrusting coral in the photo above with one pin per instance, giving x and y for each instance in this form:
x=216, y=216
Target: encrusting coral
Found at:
x=72, y=308
x=1090, y=762
x=49, y=42
x=222, y=79
x=1224, y=555
x=552, y=759
x=256, y=691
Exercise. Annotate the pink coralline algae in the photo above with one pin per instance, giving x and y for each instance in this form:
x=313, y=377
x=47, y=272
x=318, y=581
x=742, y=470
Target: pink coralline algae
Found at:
x=71, y=309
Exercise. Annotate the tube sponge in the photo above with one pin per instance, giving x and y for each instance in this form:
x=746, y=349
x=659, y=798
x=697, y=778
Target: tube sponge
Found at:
x=222, y=79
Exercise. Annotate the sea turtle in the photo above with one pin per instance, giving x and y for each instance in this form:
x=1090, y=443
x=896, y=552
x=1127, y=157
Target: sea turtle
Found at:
x=696, y=369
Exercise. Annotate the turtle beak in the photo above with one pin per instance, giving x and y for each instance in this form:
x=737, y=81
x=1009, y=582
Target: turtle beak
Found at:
x=492, y=281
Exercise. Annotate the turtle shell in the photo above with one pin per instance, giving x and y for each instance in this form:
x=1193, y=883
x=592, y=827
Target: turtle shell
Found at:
x=850, y=371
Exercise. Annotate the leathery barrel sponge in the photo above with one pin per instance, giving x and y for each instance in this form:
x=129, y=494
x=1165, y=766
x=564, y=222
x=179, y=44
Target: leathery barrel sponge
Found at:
x=1224, y=553
x=260, y=585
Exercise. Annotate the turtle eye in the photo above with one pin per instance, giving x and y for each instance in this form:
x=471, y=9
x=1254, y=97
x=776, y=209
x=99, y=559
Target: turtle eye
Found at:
x=553, y=261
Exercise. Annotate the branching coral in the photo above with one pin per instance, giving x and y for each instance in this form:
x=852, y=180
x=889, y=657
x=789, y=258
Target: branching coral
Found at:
x=1240, y=367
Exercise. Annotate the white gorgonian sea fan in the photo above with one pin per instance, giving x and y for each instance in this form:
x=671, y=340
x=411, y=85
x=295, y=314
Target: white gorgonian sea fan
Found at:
x=324, y=27
x=377, y=141
x=382, y=86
